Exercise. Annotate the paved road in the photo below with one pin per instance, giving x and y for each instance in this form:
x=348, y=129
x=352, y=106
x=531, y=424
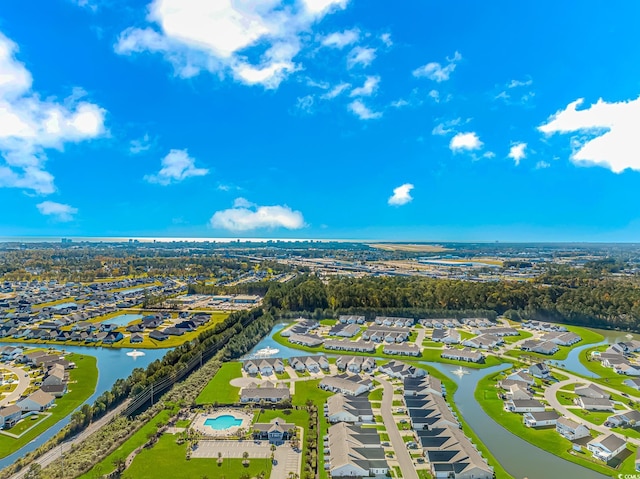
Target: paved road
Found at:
x=64, y=448
x=23, y=384
x=402, y=454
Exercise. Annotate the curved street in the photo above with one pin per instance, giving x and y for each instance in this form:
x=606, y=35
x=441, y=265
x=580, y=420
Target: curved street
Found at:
x=23, y=384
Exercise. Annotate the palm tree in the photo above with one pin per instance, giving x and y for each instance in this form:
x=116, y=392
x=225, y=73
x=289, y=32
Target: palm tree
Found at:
x=245, y=459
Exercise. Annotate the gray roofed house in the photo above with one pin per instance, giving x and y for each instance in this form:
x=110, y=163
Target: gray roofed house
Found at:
x=524, y=405
x=400, y=370
x=345, y=384
x=355, y=364
x=347, y=345
x=309, y=340
x=570, y=429
x=402, y=349
x=341, y=408
x=276, y=431
x=540, y=419
x=629, y=418
x=354, y=451
x=465, y=354
x=594, y=404
x=592, y=391
x=606, y=447
x=264, y=393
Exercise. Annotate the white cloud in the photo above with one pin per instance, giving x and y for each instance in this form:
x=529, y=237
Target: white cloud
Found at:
x=435, y=95
x=140, y=145
x=362, y=111
x=511, y=93
x=336, y=91
x=401, y=195
x=465, y=141
x=246, y=216
x=341, y=39
x=517, y=152
x=305, y=103
x=519, y=83
x=361, y=56
x=436, y=72
x=386, y=39
x=58, y=211
x=196, y=36
x=541, y=165
x=610, y=132
x=29, y=125
x=176, y=166
x=368, y=88
x=401, y=103
x=446, y=127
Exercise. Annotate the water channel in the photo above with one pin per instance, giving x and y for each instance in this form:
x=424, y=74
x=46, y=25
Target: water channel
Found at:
x=112, y=363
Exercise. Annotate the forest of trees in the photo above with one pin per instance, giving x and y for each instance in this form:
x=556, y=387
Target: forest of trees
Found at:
x=609, y=303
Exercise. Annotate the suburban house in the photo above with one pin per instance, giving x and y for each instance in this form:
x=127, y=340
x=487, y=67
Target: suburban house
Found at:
x=158, y=335
x=446, y=336
x=484, y=341
x=36, y=401
x=570, y=429
x=346, y=345
x=592, y=391
x=594, y=404
x=309, y=340
x=313, y=364
x=423, y=386
x=518, y=391
x=394, y=321
x=429, y=411
x=499, y=331
x=540, y=419
x=540, y=347
x=345, y=384
x=465, y=354
x=524, y=405
x=267, y=392
x=380, y=334
x=9, y=416
x=400, y=370
x=276, y=431
x=627, y=369
x=355, y=364
x=354, y=451
x=629, y=418
x=540, y=370
x=561, y=338
x=633, y=383
x=266, y=367
x=523, y=376
x=402, y=349
x=351, y=319
x=344, y=330
x=303, y=326
x=606, y=447
x=354, y=410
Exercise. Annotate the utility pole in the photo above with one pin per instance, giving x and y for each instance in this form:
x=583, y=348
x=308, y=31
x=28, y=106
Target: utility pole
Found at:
x=152, y=394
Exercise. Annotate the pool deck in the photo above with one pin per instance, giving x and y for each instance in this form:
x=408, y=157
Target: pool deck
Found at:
x=198, y=423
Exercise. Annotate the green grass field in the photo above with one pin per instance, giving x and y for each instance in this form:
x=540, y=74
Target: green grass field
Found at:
x=547, y=439
x=513, y=339
x=169, y=458
x=219, y=390
x=82, y=384
x=136, y=440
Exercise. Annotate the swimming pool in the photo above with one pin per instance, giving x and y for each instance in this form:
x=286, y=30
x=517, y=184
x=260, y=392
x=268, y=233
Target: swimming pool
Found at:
x=222, y=422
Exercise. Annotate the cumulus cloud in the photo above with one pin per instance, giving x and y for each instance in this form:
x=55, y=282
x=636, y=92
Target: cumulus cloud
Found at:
x=401, y=195
x=446, y=127
x=368, y=88
x=247, y=216
x=609, y=133
x=386, y=39
x=341, y=39
x=176, y=166
x=517, y=152
x=58, y=211
x=362, y=111
x=541, y=165
x=29, y=125
x=465, y=142
x=436, y=72
x=305, y=103
x=360, y=56
x=196, y=36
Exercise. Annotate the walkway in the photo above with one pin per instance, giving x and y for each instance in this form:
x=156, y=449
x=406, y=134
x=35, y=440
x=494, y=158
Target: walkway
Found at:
x=402, y=454
x=23, y=383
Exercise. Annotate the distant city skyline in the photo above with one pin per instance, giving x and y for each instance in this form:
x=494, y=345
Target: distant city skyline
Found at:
x=326, y=119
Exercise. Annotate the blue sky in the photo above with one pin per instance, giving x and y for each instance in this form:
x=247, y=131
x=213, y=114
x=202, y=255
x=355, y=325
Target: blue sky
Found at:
x=362, y=119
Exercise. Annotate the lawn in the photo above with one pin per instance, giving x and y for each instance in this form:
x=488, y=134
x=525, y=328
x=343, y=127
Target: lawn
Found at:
x=588, y=337
x=513, y=339
x=218, y=389
x=547, y=439
x=432, y=344
x=136, y=440
x=170, y=458
x=464, y=334
x=328, y=322
x=376, y=395
x=607, y=376
x=594, y=417
x=82, y=384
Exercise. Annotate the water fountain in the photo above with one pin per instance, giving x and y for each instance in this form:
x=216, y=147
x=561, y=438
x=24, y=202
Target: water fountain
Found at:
x=135, y=353
x=266, y=352
x=460, y=371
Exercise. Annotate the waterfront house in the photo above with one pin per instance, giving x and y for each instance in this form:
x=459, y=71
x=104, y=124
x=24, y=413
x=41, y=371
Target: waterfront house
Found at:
x=36, y=401
x=540, y=370
x=344, y=330
x=136, y=338
x=633, y=383
x=402, y=349
x=540, y=419
x=606, y=447
x=446, y=336
x=570, y=429
x=522, y=376
x=524, y=405
x=309, y=340
x=484, y=341
x=629, y=418
x=158, y=336
x=465, y=354
x=400, y=370
x=347, y=345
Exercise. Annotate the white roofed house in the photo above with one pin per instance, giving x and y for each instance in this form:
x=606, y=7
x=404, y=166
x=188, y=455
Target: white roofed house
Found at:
x=402, y=349
x=606, y=447
x=9, y=416
x=571, y=430
x=592, y=391
x=517, y=391
x=522, y=376
x=594, y=404
x=627, y=369
x=539, y=370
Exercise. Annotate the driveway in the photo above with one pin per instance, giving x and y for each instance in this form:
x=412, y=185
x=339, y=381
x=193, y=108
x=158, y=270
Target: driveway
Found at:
x=402, y=453
x=23, y=384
